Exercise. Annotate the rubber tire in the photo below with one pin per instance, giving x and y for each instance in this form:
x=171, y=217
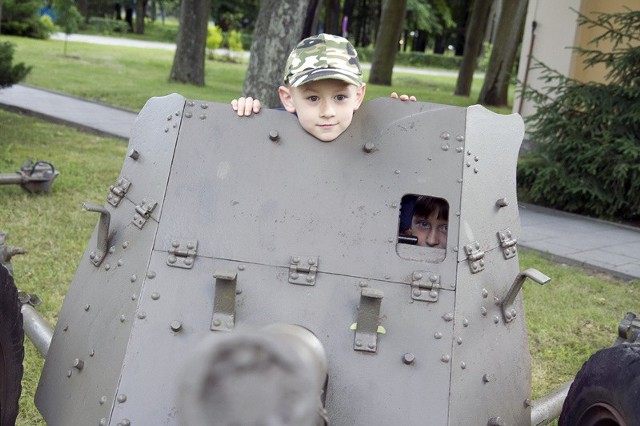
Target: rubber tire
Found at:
x=11, y=349
x=606, y=390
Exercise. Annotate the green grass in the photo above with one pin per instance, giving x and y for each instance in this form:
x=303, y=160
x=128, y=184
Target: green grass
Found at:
x=568, y=319
x=127, y=77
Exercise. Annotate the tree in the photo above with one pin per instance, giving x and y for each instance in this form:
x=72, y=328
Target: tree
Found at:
x=586, y=152
x=68, y=17
x=384, y=55
x=495, y=89
x=472, y=45
x=9, y=73
x=141, y=12
x=188, y=62
x=278, y=29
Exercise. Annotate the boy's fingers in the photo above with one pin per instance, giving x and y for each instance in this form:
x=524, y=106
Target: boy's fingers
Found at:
x=248, y=106
x=234, y=104
x=257, y=106
x=394, y=95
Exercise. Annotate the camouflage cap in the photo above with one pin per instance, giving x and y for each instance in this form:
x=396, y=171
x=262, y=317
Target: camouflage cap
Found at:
x=323, y=56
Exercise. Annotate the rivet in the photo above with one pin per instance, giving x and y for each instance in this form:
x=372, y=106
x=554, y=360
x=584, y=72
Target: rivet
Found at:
x=78, y=364
x=217, y=322
x=358, y=343
x=86, y=307
x=417, y=292
x=238, y=291
x=496, y=319
x=169, y=117
x=433, y=294
x=460, y=138
x=295, y=259
x=190, y=103
x=448, y=317
x=408, y=358
x=188, y=114
x=123, y=318
x=155, y=295
x=311, y=261
x=92, y=352
x=102, y=400
x=120, y=262
x=172, y=259
x=134, y=296
x=468, y=164
x=390, y=239
x=122, y=398
x=107, y=266
x=176, y=326
x=274, y=135
x=69, y=373
x=66, y=327
x=445, y=135
x=463, y=365
x=445, y=147
x=417, y=276
x=92, y=255
x=527, y=402
x=475, y=170
x=433, y=278
x=459, y=340
x=125, y=244
x=204, y=106
x=476, y=159
x=371, y=346
x=437, y=335
x=202, y=116
x=102, y=422
x=125, y=422
x=465, y=322
x=166, y=130
x=485, y=293
x=133, y=278
x=445, y=358
x=133, y=154
x=241, y=267
x=459, y=149
x=483, y=311
x=190, y=245
x=397, y=172
x=369, y=147
x=294, y=275
x=151, y=275
x=309, y=278
x=387, y=277
x=485, y=379
x=394, y=205
x=363, y=284
x=142, y=315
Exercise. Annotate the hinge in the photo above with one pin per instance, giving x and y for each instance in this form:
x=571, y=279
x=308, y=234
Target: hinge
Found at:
x=117, y=191
x=507, y=243
x=474, y=256
x=303, y=270
x=425, y=286
x=143, y=212
x=182, y=254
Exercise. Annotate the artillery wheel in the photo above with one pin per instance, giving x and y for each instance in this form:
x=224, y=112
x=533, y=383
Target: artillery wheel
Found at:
x=11, y=349
x=606, y=390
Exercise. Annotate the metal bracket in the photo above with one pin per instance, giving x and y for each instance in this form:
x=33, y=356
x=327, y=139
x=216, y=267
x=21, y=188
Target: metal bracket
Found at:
x=117, y=191
x=506, y=303
x=224, y=306
x=303, y=270
x=366, y=336
x=507, y=243
x=102, y=247
x=182, y=254
x=425, y=286
x=474, y=256
x=629, y=329
x=143, y=212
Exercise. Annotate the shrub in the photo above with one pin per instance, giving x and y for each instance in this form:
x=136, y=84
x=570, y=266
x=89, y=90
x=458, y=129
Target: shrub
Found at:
x=9, y=73
x=586, y=136
x=21, y=18
x=416, y=59
x=214, y=38
x=234, y=40
x=107, y=26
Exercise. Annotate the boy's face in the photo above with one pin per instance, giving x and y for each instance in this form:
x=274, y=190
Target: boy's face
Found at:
x=430, y=230
x=324, y=107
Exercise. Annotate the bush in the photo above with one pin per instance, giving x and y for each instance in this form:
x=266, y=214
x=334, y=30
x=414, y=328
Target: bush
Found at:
x=234, y=40
x=21, y=18
x=214, y=38
x=9, y=73
x=107, y=26
x=416, y=59
x=586, y=136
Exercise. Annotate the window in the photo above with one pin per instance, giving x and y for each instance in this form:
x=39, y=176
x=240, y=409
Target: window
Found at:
x=423, y=228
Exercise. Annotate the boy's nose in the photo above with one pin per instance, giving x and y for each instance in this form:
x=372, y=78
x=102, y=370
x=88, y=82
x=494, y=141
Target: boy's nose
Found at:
x=432, y=238
x=327, y=110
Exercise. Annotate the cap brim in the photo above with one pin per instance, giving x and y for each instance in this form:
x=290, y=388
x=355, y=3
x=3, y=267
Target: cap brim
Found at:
x=326, y=74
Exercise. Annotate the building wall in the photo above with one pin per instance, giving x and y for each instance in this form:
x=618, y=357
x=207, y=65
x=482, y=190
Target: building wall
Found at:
x=555, y=34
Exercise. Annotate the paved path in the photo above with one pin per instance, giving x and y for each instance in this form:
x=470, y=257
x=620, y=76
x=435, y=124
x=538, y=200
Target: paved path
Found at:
x=568, y=238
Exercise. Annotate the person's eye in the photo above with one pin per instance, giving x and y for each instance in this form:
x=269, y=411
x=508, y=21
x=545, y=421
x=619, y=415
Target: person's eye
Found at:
x=313, y=98
x=424, y=224
x=341, y=97
x=444, y=228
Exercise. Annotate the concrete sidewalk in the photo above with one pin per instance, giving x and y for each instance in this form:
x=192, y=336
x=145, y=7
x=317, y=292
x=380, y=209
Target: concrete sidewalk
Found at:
x=569, y=238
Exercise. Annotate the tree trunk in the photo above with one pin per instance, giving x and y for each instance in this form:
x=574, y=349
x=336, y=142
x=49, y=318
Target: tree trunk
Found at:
x=83, y=8
x=472, y=46
x=280, y=25
x=141, y=11
x=188, y=62
x=384, y=55
x=495, y=90
x=332, y=23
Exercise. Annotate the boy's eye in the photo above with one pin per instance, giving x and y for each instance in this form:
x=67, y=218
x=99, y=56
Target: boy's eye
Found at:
x=341, y=97
x=424, y=224
x=443, y=228
x=313, y=98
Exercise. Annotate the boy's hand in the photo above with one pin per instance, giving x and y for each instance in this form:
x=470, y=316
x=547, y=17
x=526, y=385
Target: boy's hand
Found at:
x=246, y=106
x=412, y=98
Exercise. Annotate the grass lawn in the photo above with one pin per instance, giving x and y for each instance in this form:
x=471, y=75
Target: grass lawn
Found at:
x=568, y=319
x=128, y=77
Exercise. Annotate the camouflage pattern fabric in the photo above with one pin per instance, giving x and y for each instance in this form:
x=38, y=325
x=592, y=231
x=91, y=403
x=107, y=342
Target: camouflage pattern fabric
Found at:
x=323, y=56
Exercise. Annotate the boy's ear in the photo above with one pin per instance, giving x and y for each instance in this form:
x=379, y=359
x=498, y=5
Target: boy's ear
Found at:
x=286, y=99
x=360, y=96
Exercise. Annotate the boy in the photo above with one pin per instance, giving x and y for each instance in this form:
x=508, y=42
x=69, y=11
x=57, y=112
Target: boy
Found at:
x=322, y=85
x=429, y=221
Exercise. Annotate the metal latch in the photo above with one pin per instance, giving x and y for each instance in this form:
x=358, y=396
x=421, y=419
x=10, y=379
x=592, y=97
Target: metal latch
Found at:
x=224, y=306
x=117, y=191
x=474, y=256
x=182, y=254
x=507, y=243
x=303, y=270
x=102, y=246
x=425, y=286
x=143, y=212
x=506, y=303
x=366, y=336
